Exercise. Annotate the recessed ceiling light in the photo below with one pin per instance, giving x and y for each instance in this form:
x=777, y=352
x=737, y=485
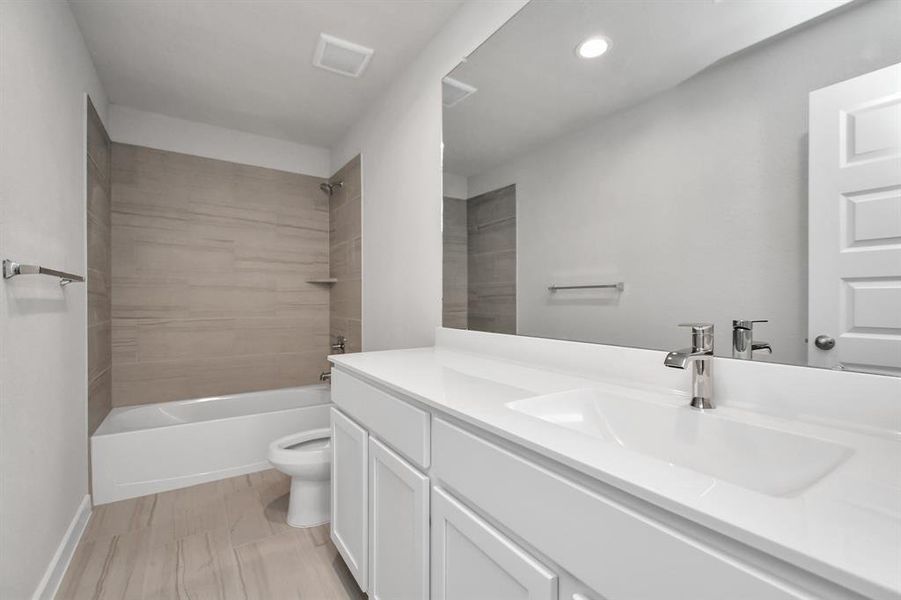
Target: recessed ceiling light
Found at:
x=593, y=47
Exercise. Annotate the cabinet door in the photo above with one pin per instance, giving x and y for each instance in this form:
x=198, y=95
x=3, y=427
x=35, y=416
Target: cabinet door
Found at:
x=350, y=495
x=471, y=560
x=399, y=521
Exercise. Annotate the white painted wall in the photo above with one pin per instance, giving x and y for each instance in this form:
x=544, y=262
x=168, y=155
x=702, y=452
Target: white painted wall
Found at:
x=455, y=186
x=400, y=143
x=141, y=128
x=695, y=199
x=45, y=71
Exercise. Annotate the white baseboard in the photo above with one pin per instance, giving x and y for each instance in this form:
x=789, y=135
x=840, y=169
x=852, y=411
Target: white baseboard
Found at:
x=53, y=576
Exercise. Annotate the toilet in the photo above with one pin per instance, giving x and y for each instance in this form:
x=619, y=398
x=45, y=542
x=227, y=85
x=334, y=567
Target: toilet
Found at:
x=306, y=458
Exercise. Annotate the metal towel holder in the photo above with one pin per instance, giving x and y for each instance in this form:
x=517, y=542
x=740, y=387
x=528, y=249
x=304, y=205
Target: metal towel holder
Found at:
x=620, y=286
x=12, y=269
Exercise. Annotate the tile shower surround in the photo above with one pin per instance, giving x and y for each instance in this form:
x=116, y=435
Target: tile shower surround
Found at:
x=491, y=270
x=99, y=273
x=210, y=262
x=345, y=256
x=454, y=292
x=479, y=281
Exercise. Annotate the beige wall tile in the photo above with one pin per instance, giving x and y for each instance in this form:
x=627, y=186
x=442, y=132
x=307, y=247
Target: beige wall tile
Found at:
x=491, y=261
x=209, y=269
x=99, y=273
x=98, y=145
x=455, y=275
x=143, y=383
x=165, y=380
x=99, y=349
x=125, y=341
x=99, y=301
x=345, y=256
x=98, y=197
x=479, y=279
x=100, y=394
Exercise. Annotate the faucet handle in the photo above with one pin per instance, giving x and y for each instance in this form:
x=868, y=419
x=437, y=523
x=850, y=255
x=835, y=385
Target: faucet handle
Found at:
x=701, y=336
x=746, y=324
x=699, y=328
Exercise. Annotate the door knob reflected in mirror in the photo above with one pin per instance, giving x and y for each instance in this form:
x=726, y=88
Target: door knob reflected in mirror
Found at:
x=824, y=342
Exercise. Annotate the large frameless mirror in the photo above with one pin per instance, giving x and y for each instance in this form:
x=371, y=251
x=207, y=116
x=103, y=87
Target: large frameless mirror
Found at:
x=613, y=169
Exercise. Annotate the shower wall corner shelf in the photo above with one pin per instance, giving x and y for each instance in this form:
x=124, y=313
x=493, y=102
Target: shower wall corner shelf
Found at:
x=324, y=281
x=12, y=269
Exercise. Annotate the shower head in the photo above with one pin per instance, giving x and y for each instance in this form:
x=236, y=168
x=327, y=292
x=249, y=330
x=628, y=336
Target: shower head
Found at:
x=329, y=188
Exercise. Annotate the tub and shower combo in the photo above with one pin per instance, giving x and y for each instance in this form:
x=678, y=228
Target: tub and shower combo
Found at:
x=152, y=448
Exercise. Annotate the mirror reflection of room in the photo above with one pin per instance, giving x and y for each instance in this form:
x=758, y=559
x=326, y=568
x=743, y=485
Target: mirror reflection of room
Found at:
x=677, y=182
x=480, y=261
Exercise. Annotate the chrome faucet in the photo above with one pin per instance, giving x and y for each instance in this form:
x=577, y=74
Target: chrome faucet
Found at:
x=699, y=356
x=340, y=345
x=743, y=344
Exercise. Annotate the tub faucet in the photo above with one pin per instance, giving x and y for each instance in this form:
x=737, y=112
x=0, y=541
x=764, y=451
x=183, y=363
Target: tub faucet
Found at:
x=743, y=344
x=325, y=376
x=340, y=345
x=699, y=356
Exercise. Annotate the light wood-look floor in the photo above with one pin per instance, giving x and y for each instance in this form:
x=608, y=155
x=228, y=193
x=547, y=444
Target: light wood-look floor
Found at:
x=224, y=540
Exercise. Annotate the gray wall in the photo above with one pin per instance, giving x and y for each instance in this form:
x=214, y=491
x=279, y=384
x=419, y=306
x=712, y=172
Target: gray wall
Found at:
x=45, y=71
x=697, y=199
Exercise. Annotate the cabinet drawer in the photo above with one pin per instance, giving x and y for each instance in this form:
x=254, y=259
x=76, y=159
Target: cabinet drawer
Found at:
x=616, y=551
x=396, y=422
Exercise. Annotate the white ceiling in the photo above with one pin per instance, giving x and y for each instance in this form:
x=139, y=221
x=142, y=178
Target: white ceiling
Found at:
x=532, y=87
x=247, y=64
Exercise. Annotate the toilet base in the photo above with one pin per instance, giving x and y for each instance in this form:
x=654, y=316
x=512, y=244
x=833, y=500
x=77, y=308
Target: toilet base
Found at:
x=310, y=503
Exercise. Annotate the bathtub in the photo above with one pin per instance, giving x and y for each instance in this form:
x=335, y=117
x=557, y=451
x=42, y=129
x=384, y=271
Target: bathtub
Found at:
x=140, y=450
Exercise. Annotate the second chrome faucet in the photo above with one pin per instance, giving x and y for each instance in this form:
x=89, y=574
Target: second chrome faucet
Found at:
x=743, y=344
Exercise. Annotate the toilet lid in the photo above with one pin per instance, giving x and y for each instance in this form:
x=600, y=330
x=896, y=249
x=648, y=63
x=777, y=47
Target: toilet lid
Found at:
x=317, y=444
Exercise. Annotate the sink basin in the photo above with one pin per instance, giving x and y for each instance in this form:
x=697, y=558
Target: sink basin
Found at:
x=759, y=458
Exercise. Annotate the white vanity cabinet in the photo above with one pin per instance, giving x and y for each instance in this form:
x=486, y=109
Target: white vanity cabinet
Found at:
x=381, y=513
x=424, y=506
x=380, y=495
x=616, y=550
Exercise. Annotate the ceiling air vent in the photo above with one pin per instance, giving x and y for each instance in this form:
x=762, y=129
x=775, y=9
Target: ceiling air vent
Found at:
x=340, y=56
x=453, y=91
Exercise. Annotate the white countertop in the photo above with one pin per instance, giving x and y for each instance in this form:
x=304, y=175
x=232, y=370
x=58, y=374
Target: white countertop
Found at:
x=846, y=527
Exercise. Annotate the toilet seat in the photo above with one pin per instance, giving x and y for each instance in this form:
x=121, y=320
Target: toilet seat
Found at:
x=281, y=451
